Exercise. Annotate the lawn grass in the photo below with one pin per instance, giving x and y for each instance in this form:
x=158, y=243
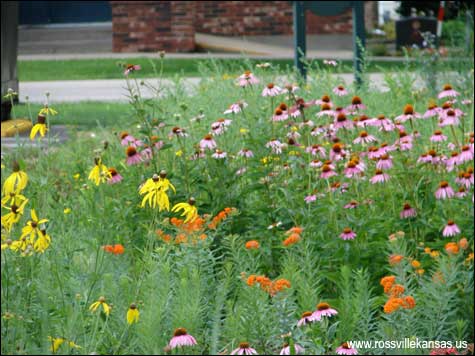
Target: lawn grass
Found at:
x=45, y=70
x=84, y=115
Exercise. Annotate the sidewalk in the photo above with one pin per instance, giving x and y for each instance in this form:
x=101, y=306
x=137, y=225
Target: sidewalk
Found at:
x=115, y=89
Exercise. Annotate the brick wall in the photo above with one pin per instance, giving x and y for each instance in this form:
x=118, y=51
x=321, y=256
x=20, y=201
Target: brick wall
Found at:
x=146, y=26
x=140, y=26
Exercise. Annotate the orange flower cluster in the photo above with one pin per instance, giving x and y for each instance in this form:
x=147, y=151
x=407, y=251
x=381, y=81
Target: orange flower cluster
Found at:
x=266, y=284
x=395, y=259
x=395, y=293
x=117, y=249
x=252, y=245
x=293, y=236
x=192, y=231
x=223, y=214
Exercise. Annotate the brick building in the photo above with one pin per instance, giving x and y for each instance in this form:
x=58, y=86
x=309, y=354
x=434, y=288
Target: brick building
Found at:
x=144, y=26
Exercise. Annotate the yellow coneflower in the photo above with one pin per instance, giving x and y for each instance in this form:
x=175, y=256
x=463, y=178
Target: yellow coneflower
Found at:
x=99, y=174
x=15, y=198
x=46, y=110
x=132, y=314
x=16, y=182
x=40, y=127
x=43, y=241
x=56, y=343
x=32, y=228
x=189, y=210
x=155, y=189
x=101, y=302
x=11, y=218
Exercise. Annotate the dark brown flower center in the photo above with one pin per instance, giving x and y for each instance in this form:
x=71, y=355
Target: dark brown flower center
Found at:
x=131, y=151
x=447, y=87
x=41, y=119
x=180, y=332
x=444, y=184
x=270, y=85
x=323, y=306
x=244, y=345
x=408, y=109
x=356, y=100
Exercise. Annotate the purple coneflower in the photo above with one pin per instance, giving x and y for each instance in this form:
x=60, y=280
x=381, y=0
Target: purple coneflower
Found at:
x=133, y=157
x=208, y=143
x=245, y=153
x=356, y=104
x=451, y=229
x=281, y=113
x=341, y=121
x=348, y=234
x=327, y=172
x=444, y=191
x=351, y=205
x=310, y=198
x=244, y=349
x=340, y=90
x=448, y=92
x=407, y=211
x=346, y=349
x=236, y=108
x=115, y=177
x=364, y=138
x=275, y=145
x=432, y=110
x=218, y=154
x=384, y=162
x=305, y=319
x=323, y=310
x=379, y=177
x=438, y=136
x=315, y=163
x=247, y=78
x=271, y=90
x=181, y=338
x=131, y=68
x=286, y=350
x=408, y=114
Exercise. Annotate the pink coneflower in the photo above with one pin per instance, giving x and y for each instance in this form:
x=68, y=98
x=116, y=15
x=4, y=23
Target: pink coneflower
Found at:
x=408, y=114
x=326, y=110
x=363, y=121
x=290, y=88
x=404, y=142
x=271, y=90
x=247, y=78
x=236, y=107
x=407, y=211
x=208, y=142
x=305, y=319
x=465, y=179
x=146, y=153
x=438, y=136
x=131, y=68
x=133, y=157
x=466, y=102
x=348, y=234
x=181, y=338
x=384, y=162
x=356, y=104
x=383, y=123
x=337, y=152
x=346, y=349
x=126, y=139
x=296, y=351
x=379, y=177
x=448, y=92
x=449, y=118
x=244, y=349
x=445, y=191
x=364, y=138
x=275, y=145
x=218, y=154
x=341, y=121
x=178, y=132
x=115, y=177
x=327, y=172
x=293, y=134
x=340, y=90
x=351, y=205
x=199, y=153
x=451, y=229
x=310, y=198
x=432, y=110
x=325, y=99
x=281, y=113
x=315, y=163
x=352, y=169
x=461, y=193
x=452, y=161
x=315, y=150
x=323, y=310
x=466, y=154
x=330, y=62
x=245, y=153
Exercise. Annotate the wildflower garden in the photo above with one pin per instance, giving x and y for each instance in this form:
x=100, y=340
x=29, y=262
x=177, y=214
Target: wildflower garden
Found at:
x=252, y=214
